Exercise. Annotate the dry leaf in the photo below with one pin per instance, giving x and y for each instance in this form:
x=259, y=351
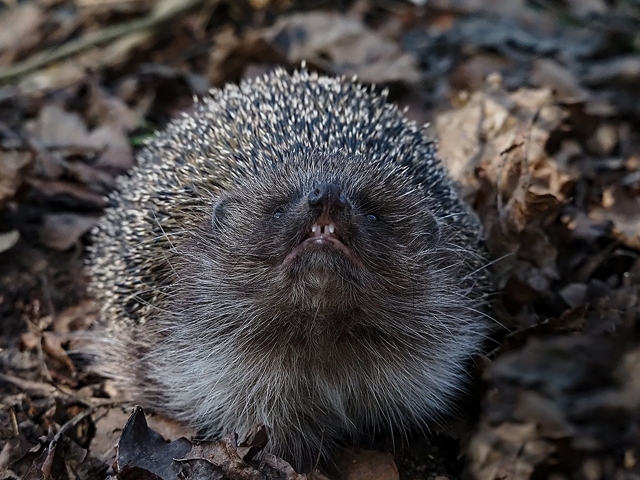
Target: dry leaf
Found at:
x=368, y=464
x=621, y=207
x=19, y=30
x=495, y=146
x=144, y=454
x=59, y=128
x=344, y=45
x=12, y=167
x=61, y=231
x=8, y=240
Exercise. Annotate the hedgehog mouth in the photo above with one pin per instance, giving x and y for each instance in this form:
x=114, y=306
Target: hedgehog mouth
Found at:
x=322, y=233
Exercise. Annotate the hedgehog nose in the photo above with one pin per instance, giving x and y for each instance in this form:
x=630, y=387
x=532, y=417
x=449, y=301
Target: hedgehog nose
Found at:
x=328, y=195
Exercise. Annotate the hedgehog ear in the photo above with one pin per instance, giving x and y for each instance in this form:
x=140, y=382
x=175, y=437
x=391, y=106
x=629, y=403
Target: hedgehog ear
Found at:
x=220, y=210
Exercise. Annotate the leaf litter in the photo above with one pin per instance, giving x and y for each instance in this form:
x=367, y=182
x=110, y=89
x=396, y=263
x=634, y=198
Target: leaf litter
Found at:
x=536, y=107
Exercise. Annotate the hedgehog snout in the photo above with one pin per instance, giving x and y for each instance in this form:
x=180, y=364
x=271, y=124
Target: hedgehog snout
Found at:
x=327, y=202
x=328, y=196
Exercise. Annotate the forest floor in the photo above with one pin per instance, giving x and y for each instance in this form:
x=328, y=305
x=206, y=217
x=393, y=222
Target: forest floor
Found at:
x=536, y=105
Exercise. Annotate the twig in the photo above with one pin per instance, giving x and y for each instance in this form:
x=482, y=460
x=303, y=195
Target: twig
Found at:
x=29, y=386
x=164, y=11
x=82, y=415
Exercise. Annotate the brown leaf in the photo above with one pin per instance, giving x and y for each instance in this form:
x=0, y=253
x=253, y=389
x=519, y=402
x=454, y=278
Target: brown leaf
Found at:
x=12, y=168
x=58, y=128
x=621, y=207
x=19, y=30
x=144, y=454
x=58, y=361
x=76, y=317
x=495, y=146
x=61, y=231
x=108, y=109
x=41, y=467
x=116, y=153
x=61, y=456
x=551, y=74
x=617, y=71
x=232, y=54
x=573, y=395
x=470, y=75
x=52, y=346
x=343, y=45
x=508, y=452
x=108, y=431
x=255, y=442
x=74, y=195
x=368, y=464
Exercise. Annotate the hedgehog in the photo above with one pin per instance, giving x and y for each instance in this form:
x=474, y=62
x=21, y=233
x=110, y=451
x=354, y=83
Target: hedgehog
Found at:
x=291, y=253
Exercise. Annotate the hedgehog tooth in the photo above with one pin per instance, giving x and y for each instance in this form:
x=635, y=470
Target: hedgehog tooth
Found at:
x=332, y=227
x=314, y=228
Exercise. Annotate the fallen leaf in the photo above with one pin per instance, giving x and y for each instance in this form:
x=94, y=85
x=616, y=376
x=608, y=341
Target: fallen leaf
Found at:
x=59, y=456
x=58, y=128
x=574, y=294
x=494, y=145
x=551, y=74
x=19, y=30
x=621, y=207
x=571, y=395
x=61, y=231
x=117, y=153
x=368, y=464
x=57, y=77
x=8, y=240
x=69, y=194
x=507, y=452
x=107, y=109
x=232, y=54
x=614, y=71
x=12, y=169
x=76, y=317
x=144, y=454
x=345, y=45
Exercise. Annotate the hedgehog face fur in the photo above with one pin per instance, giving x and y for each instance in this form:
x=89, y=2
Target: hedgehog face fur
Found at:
x=319, y=242
x=291, y=254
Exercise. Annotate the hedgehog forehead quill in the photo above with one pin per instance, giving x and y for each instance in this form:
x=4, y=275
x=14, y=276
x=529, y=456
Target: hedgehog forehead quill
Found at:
x=293, y=254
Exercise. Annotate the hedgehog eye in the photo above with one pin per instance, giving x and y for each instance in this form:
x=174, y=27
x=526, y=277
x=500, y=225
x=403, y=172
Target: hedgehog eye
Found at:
x=371, y=218
x=277, y=214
